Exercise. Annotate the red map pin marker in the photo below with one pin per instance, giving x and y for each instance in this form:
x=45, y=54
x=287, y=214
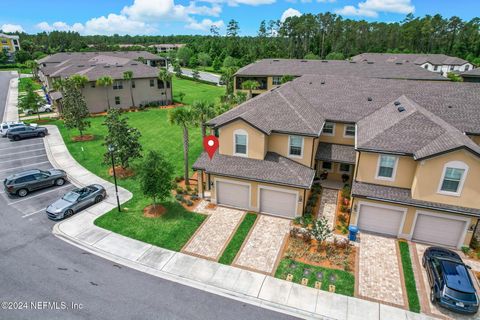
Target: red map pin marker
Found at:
x=210, y=144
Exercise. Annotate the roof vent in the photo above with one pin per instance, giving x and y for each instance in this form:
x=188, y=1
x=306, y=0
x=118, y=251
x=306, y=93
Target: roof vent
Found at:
x=398, y=63
x=324, y=61
x=81, y=66
x=275, y=60
x=397, y=103
x=322, y=82
x=92, y=65
x=450, y=107
x=369, y=99
x=106, y=66
x=310, y=82
x=353, y=62
x=370, y=62
x=303, y=60
x=134, y=64
x=401, y=109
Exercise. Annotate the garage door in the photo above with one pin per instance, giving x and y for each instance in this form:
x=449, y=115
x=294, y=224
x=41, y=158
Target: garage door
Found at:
x=379, y=220
x=278, y=203
x=438, y=230
x=232, y=194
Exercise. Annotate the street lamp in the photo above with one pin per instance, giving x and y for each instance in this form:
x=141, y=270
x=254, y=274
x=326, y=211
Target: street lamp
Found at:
x=111, y=149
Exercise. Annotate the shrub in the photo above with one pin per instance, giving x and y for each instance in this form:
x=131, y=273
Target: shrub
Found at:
x=306, y=220
x=189, y=203
x=178, y=179
x=194, y=197
x=189, y=188
x=179, y=197
x=179, y=190
x=474, y=244
x=297, y=220
x=346, y=191
x=342, y=218
x=343, y=208
x=466, y=249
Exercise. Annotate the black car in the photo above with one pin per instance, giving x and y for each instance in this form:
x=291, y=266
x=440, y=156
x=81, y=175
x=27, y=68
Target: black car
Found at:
x=22, y=183
x=19, y=133
x=450, y=282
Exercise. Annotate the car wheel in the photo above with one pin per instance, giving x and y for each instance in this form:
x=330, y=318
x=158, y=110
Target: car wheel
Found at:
x=68, y=213
x=16, y=138
x=59, y=182
x=98, y=199
x=29, y=113
x=22, y=192
x=41, y=134
x=48, y=110
x=433, y=300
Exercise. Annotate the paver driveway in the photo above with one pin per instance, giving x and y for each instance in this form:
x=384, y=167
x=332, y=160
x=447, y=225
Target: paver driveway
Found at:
x=379, y=275
x=264, y=244
x=211, y=238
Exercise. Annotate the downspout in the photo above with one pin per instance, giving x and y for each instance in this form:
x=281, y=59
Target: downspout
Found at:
x=305, y=202
x=356, y=166
x=313, y=148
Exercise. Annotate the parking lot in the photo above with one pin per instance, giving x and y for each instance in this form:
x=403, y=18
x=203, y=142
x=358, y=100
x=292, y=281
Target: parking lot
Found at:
x=25, y=155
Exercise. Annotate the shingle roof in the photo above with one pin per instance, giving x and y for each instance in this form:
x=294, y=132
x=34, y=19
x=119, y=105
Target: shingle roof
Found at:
x=413, y=130
x=403, y=196
x=381, y=70
x=471, y=73
x=335, y=152
x=273, y=169
x=415, y=58
x=85, y=56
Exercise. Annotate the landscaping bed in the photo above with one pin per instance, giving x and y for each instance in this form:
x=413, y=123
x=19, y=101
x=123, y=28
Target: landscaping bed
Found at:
x=238, y=238
x=409, y=278
x=342, y=215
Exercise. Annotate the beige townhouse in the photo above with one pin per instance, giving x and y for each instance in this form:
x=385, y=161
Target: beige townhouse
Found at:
x=144, y=88
x=409, y=149
x=269, y=72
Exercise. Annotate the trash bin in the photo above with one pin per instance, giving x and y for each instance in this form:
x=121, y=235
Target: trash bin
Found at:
x=352, y=235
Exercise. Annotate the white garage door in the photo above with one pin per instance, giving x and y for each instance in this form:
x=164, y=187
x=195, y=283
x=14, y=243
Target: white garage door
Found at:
x=379, y=220
x=232, y=194
x=438, y=230
x=278, y=203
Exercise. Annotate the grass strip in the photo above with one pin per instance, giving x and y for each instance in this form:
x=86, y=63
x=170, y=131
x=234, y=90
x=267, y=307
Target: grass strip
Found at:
x=237, y=240
x=413, y=302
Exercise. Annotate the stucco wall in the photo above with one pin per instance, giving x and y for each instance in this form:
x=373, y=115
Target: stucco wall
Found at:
x=475, y=139
x=338, y=136
x=279, y=143
x=256, y=141
x=335, y=173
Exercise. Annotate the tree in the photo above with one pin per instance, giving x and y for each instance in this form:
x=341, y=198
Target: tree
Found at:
x=123, y=138
x=454, y=77
x=32, y=65
x=193, y=62
x=217, y=64
x=22, y=56
x=177, y=69
x=286, y=78
x=250, y=85
x=229, y=62
x=79, y=80
x=166, y=78
x=311, y=56
x=3, y=56
x=228, y=79
x=183, y=55
x=74, y=107
x=156, y=175
x=203, y=111
x=105, y=81
x=195, y=74
x=204, y=59
x=31, y=100
x=232, y=28
x=183, y=117
x=128, y=76
x=335, y=56
x=321, y=231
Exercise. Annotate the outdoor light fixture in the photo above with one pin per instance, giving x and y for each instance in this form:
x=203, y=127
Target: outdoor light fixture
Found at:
x=111, y=149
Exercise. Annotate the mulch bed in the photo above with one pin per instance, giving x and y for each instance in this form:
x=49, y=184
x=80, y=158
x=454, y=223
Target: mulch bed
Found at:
x=154, y=211
x=187, y=193
x=341, y=224
x=121, y=172
x=85, y=137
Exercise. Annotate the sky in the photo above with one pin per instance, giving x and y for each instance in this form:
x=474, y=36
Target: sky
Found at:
x=166, y=17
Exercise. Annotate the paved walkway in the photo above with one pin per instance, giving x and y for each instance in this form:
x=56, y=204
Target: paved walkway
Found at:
x=212, y=237
x=11, y=110
x=328, y=205
x=262, y=247
x=379, y=275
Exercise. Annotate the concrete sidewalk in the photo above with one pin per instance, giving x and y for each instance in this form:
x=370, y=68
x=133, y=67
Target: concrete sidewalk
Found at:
x=235, y=283
x=11, y=106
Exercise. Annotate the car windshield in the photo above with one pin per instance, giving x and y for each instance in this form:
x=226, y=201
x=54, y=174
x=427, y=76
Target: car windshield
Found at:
x=459, y=295
x=456, y=276
x=71, y=196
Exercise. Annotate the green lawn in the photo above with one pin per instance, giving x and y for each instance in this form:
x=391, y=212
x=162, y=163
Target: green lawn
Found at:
x=22, y=83
x=344, y=283
x=196, y=91
x=170, y=231
x=410, y=285
x=237, y=240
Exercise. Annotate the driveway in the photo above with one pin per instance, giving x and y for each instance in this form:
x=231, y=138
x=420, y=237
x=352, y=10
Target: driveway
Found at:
x=264, y=244
x=379, y=271
x=206, y=76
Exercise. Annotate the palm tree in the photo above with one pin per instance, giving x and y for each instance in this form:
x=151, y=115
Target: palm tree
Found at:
x=79, y=80
x=166, y=78
x=105, y=81
x=250, y=85
x=203, y=111
x=183, y=117
x=128, y=76
x=32, y=65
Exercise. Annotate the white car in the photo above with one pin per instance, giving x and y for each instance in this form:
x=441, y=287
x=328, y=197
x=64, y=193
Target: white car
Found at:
x=44, y=108
x=8, y=125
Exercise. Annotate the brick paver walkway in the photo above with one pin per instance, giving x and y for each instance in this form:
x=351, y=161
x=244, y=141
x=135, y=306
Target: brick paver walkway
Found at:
x=379, y=270
x=261, y=249
x=212, y=237
x=328, y=205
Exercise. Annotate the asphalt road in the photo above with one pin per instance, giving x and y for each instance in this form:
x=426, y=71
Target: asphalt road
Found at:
x=38, y=270
x=207, y=76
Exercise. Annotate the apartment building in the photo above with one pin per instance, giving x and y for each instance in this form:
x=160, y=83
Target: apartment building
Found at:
x=10, y=44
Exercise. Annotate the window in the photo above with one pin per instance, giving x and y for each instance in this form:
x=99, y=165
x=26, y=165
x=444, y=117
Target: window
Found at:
x=168, y=84
x=329, y=128
x=240, y=141
x=295, y=146
x=327, y=165
x=152, y=82
x=160, y=85
x=276, y=81
x=344, y=168
x=386, y=167
x=117, y=100
x=453, y=176
x=451, y=68
x=133, y=84
x=349, y=130
x=117, y=85
x=467, y=67
x=426, y=66
x=436, y=68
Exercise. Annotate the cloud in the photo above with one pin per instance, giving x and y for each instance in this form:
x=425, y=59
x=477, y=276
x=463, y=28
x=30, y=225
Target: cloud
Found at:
x=114, y=23
x=59, y=26
x=290, y=12
x=235, y=3
x=371, y=8
x=10, y=28
x=205, y=24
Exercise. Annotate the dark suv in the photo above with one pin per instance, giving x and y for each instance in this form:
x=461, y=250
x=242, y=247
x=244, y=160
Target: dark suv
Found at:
x=26, y=132
x=24, y=182
x=450, y=282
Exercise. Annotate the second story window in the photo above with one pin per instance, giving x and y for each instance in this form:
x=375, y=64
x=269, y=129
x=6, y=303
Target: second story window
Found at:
x=386, y=167
x=454, y=174
x=117, y=85
x=152, y=82
x=295, y=146
x=349, y=130
x=276, y=81
x=329, y=129
x=240, y=138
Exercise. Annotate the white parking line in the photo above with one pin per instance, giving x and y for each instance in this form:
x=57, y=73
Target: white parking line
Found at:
x=11, y=154
x=31, y=214
x=42, y=155
x=40, y=194
x=24, y=145
x=27, y=165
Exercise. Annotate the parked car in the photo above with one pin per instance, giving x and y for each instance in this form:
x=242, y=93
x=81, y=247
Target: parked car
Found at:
x=450, y=282
x=44, y=108
x=27, y=181
x=23, y=132
x=76, y=200
x=5, y=126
